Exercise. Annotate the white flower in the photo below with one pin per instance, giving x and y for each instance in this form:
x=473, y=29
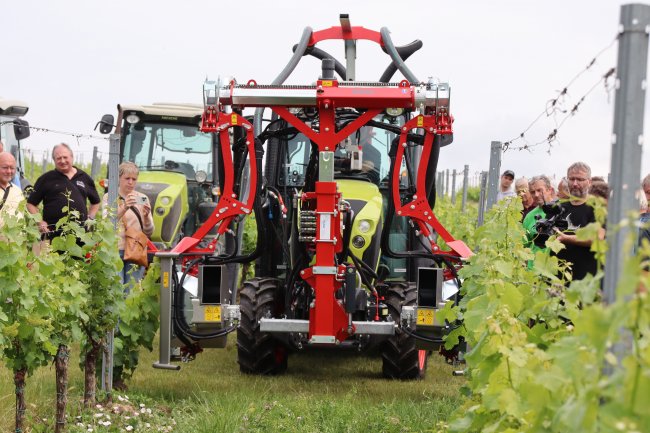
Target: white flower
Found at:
x=90, y=429
x=147, y=425
x=120, y=398
x=80, y=424
x=129, y=427
x=98, y=415
x=141, y=404
x=149, y=411
x=143, y=410
x=99, y=406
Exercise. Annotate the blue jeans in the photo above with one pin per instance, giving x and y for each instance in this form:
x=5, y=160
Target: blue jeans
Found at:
x=130, y=274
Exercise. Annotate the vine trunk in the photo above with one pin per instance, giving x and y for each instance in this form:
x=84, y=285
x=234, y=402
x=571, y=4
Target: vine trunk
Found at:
x=61, y=365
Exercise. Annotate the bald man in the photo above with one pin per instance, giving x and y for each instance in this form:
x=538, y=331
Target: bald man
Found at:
x=16, y=178
x=10, y=194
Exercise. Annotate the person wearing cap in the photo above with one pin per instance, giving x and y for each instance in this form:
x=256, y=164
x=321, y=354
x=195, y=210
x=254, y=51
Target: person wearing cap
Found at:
x=505, y=187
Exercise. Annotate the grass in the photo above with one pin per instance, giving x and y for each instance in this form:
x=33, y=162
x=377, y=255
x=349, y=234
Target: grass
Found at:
x=323, y=391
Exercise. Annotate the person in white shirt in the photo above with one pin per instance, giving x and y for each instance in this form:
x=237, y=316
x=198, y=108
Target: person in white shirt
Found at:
x=10, y=194
x=505, y=187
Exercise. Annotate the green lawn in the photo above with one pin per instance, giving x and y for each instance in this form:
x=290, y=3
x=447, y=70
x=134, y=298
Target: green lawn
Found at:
x=322, y=391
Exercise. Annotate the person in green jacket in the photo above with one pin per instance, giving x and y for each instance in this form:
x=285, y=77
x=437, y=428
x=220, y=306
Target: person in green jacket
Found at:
x=543, y=192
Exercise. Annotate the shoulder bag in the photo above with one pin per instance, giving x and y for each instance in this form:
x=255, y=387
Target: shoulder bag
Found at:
x=135, y=243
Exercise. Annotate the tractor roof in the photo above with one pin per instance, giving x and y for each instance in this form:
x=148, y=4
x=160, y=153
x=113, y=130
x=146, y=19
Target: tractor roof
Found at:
x=13, y=107
x=165, y=109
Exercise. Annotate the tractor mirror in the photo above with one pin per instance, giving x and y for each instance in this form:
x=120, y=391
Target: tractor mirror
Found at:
x=21, y=129
x=106, y=124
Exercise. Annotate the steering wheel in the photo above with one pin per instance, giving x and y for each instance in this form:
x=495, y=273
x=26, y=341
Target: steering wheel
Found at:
x=171, y=165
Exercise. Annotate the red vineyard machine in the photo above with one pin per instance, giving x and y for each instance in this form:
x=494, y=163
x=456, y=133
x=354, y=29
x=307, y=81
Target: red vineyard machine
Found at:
x=347, y=253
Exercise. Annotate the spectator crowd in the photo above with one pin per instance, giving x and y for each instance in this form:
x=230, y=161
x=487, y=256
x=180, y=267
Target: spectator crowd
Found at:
x=564, y=208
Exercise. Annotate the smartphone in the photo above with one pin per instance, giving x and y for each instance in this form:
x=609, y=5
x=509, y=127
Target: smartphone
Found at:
x=141, y=199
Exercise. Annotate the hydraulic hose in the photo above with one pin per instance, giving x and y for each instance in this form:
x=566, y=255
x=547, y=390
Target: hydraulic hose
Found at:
x=288, y=69
x=397, y=60
x=404, y=52
x=180, y=324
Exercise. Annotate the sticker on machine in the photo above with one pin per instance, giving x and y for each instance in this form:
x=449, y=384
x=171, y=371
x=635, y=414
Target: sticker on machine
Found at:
x=325, y=227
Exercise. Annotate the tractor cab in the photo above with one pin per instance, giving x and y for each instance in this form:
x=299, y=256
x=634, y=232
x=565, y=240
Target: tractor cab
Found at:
x=14, y=129
x=176, y=163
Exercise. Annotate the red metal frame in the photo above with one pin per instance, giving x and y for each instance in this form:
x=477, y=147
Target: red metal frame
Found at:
x=418, y=208
x=328, y=319
x=229, y=206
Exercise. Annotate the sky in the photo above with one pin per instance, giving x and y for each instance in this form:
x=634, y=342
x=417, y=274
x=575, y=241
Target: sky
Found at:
x=73, y=61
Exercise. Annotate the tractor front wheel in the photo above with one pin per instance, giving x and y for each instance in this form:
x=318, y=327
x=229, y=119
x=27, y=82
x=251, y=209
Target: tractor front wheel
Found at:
x=258, y=352
x=401, y=359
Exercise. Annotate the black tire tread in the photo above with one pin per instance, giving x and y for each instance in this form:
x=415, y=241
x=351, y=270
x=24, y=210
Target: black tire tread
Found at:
x=257, y=352
x=399, y=353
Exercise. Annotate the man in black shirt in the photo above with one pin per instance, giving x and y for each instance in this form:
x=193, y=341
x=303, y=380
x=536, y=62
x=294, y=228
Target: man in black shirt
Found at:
x=66, y=185
x=580, y=214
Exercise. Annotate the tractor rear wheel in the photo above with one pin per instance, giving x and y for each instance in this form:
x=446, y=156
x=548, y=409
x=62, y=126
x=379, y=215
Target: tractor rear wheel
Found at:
x=401, y=359
x=259, y=352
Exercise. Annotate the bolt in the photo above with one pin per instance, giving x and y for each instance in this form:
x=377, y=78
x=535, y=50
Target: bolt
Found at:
x=429, y=218
x=234, y=205
x=404, y=128
x=234, y=195
x=426, y=213
x=403, y=144
x=248, y=142
x=399, y=212
x=217, y=215
x=326, y=148
x=431, y=129
x=327, y=129
x=412, y=206
x=415, y=197
x=302, y=272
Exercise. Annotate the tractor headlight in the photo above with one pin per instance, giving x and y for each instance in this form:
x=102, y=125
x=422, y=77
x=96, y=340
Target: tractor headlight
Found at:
x=201, y=176
x=132, y=118
x=358, y=241
x=165, y=201
x=394, y=112
x=364, y=226
x=160, y=210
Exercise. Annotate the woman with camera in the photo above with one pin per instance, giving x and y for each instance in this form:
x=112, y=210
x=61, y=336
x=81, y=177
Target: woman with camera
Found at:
x=133, y=214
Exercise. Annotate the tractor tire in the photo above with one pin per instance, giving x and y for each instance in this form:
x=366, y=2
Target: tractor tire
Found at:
x=401, y=359
x=258, y=352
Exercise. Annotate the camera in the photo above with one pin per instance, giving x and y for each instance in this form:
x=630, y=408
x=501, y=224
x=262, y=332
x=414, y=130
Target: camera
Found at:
x=556, y=218
x=141, y=199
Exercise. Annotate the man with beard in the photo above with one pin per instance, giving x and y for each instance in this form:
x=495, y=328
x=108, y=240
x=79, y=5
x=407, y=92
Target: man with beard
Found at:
x=580, y=214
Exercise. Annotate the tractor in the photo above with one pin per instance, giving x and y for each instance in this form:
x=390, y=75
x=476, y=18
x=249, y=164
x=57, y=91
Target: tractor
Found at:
x=14, y=129
x=340, y=179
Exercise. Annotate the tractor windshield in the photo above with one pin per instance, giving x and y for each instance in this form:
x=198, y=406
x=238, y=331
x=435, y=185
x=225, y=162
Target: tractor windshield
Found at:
x=370, y=145
x=173, y=147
